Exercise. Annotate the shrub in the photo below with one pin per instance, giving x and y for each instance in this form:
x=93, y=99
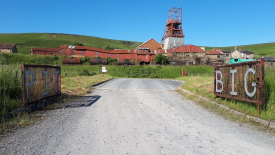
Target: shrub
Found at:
x=85, y=72
x=160, y=59
x=112, y=61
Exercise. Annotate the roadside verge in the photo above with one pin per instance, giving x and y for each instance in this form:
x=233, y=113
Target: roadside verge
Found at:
x=255, y=119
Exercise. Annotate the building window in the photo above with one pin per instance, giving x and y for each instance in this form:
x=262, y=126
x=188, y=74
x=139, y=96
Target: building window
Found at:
x=108, y=56
x=187, y=54
x=178, y=54
x=227, y=55
x=218, y=56
x=117, y=56
x=247, y=56
x=96, y=54
x=242, y=55
x=195, y=54
x=82, y=52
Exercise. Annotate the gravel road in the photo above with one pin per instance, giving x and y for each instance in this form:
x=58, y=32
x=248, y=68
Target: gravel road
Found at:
x=136, y=116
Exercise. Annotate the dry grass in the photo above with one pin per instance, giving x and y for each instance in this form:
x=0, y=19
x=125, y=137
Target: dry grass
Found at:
x=81, y=85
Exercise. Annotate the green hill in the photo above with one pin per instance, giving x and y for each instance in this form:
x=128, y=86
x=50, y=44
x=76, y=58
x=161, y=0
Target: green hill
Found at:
x=25, y=41
x=266, y=49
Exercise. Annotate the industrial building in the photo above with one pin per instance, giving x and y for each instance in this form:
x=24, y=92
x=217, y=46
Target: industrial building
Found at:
x=171, y=45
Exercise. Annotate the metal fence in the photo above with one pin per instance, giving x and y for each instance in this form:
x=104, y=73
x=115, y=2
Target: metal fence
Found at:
x=39, y=82
x=241, y=81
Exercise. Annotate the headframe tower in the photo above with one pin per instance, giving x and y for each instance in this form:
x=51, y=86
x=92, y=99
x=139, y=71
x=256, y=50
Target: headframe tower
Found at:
x=173, y=34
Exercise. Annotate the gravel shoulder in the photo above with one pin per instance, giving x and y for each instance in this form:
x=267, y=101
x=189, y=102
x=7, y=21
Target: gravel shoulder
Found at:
x=136, y=116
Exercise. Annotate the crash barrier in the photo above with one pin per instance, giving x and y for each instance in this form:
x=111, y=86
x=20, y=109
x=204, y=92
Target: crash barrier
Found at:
x=39, y=82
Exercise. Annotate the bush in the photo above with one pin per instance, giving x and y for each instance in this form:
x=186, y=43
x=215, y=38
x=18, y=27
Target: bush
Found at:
x=86, y=60
x=77, y=44
x=160, y=59
x=85, y=72
x=112, y=61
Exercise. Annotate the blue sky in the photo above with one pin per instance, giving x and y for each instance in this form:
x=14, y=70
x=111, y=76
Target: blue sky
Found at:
x=205, y=22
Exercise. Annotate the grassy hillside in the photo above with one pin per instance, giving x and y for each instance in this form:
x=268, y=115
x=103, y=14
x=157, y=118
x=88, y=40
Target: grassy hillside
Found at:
x=25, y=41
x=266, y=49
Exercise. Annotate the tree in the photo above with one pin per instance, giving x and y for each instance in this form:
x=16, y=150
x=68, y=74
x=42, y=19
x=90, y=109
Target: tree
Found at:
x=77, y=44
x=160, y=59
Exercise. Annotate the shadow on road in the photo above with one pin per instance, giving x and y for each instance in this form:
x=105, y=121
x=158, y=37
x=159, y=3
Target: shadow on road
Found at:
x=84, y=101
x=73, y=101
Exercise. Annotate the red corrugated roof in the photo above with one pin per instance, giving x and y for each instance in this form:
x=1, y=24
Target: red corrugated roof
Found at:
x=213, y=53
x=188, y=48
x=6, y=46
x=219, y=50
x=122, y=51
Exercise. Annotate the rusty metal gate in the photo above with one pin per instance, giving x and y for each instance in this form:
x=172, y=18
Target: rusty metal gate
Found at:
x=241, y=81
x=39, y=82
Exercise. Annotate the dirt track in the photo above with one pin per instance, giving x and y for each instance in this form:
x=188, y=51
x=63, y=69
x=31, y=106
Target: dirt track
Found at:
x=133, y=116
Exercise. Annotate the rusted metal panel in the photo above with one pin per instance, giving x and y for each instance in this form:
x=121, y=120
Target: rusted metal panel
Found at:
x=98, y=61
x=126, y=62
x=102, y=55
x=90, y=53
x=73, y=61
x=240, y=81
x=39, y=82
x=113, y=56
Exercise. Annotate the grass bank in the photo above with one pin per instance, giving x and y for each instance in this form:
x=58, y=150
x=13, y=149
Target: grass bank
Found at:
x=81, y=85
x=265, y=49
x=25, y=41
x=204, y=86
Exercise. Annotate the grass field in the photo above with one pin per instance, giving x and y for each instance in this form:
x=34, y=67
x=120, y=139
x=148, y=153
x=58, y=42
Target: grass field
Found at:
x=204, y=86
x=266, y=49
x=25, y=41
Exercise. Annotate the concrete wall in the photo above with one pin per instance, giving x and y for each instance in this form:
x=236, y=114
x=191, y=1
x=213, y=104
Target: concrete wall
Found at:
x=172, y=41
x=5, y=50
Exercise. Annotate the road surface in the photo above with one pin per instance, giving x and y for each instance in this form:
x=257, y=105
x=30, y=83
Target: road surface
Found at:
x=136, y=116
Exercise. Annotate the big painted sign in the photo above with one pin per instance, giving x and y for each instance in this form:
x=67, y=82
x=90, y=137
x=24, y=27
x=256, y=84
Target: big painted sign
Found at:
x=240, y=81
x=39, y=82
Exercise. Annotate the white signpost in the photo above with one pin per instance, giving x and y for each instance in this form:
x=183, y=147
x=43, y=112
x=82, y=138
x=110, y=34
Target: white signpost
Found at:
x=104, y=70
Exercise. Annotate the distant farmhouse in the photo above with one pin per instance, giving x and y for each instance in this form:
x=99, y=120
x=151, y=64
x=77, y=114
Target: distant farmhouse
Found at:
x=245, y=54
x=8, y=48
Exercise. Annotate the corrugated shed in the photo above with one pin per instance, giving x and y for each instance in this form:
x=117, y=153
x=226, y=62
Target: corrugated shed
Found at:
x=89, y=53
x=113, y=56
x=144, y=57
x=188, y=48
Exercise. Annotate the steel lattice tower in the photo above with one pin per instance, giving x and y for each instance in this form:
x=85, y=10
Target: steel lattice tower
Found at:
x=173, y=33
